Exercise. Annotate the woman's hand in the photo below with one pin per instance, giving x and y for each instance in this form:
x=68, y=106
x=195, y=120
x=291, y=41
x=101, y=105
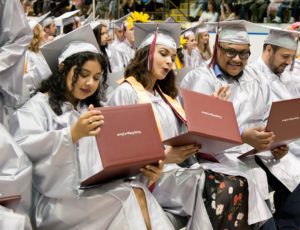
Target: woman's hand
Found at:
x=179, y=154
x=280, y=151
x=88, y=124
x=153, y=172
x=222, y=93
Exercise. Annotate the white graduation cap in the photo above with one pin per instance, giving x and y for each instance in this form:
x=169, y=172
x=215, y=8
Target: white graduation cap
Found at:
x=119, y=23
x=168, y=34
x=282, y=37
x=196, y=29
x=89, y=19
x=233, y=31
x=48, y=21
x=71, y=20
x=33, y=22
x=79, y=40
x=65, y=17
x=95, y=24
x=187, y=33
x=170, y=20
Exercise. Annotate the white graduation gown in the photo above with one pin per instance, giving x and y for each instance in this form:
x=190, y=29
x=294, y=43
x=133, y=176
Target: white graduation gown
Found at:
x=37, y=70
x=173, y=186
x=15, y=36
x=15, y=175
x=58, y=168
x=10, y=220
x=121, y=55
x=249, y=98
x=194, y=60
x=287, y=169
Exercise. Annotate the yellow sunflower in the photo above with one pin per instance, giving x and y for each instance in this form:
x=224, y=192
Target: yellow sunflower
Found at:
x=137, y=17
x=182, y=41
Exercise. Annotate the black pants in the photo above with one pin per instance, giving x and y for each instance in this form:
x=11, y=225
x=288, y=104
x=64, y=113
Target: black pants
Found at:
x=38, y=7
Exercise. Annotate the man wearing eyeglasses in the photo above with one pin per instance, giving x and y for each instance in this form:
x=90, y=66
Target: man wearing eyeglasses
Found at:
x=278, y=53
x=251, y=100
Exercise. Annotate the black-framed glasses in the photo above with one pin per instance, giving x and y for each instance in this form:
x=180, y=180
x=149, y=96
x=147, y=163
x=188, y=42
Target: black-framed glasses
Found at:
x=231, y=53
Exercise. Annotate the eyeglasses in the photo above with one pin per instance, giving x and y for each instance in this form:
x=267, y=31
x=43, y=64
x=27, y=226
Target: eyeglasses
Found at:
x=231, y=53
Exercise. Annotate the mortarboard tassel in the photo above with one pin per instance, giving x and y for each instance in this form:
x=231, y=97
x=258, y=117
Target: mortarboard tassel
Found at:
x=152, y=50
x=214, y=57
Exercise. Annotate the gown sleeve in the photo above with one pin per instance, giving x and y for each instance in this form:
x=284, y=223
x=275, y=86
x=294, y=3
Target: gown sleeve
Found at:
x=51, y=150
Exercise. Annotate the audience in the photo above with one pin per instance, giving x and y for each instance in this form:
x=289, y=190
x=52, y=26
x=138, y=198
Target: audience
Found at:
x=211, y=14
x=257, y=11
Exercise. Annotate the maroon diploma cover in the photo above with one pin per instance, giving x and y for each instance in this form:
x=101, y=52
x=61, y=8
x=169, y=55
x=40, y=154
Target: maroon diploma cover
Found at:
x=10, y=201
x=284, y=122
x=129, y=139
x=211, y=123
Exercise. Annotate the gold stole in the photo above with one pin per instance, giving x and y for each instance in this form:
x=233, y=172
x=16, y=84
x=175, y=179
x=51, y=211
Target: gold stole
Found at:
x=144, y=98
x=25, y=66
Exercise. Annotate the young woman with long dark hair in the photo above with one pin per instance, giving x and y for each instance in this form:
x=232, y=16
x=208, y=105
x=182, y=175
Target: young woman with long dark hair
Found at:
x=185, y=189
x=101, y=34
x=56, y=129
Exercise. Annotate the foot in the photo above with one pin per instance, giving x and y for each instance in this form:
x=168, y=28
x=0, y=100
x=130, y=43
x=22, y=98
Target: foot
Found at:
x=277, y=19
x=292, y=20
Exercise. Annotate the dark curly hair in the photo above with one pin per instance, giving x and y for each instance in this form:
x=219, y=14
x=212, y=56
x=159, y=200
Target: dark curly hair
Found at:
x=138, y=68
x=56, y=85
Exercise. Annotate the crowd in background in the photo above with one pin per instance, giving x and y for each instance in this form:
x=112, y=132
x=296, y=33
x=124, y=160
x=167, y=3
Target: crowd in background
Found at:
x=51, y=82
x=257, y=11
x=251, y=10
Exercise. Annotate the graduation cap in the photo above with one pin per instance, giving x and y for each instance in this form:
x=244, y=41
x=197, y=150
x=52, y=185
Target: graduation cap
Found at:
x=282, y=37
x=167, y=34
x=187, y=32
x=88, y=20
x=33, y=22
x=47, y=21
x=120, y=22
x=65, y=18
x=77, y=41
x=197, y=29
x=95, y=24
x=170, y=20
x=233, y=31
x=202, y=28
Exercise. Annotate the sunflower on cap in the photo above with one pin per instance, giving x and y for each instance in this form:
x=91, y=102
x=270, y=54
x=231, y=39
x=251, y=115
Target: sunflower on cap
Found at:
x=137, y=17
x=182, y=41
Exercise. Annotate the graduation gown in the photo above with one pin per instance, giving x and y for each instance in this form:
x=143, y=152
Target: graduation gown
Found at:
x=15, y=36
x=194, y=60
x=15, y=178
x=176, y=182
x=249, y=98
x=283, y=87
x=115, y=43
x=121, y=55
x=10, y=220
x=35, y=70
x=59, y=166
